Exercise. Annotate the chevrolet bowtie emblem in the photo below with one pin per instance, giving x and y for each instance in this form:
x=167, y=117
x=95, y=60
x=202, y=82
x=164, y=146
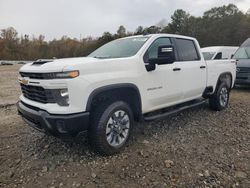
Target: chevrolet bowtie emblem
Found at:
x=24, y=81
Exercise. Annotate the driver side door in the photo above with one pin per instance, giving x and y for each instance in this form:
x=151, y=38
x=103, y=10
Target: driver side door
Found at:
x=162, y=84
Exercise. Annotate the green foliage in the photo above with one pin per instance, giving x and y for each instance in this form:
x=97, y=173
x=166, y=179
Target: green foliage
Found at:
x=225, y=25
x=180, y=22
x=139, y=30
x=152, y=30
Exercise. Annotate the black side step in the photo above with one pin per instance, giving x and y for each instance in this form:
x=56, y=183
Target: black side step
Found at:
x=174, y=111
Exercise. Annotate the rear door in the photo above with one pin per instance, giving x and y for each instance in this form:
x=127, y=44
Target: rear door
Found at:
x=192, y=69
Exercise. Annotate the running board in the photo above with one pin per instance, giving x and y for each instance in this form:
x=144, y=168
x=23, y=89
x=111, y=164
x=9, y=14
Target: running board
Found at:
x=176, y=110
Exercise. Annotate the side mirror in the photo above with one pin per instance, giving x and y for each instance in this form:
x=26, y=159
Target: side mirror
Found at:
x=166, y=55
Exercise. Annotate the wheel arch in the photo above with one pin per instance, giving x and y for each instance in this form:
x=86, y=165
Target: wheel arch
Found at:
x=227, y=77
x=210, y=90
x=126, y=92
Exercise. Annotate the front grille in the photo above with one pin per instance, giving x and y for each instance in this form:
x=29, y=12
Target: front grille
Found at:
x=243, y=69
x=241, y=78
x=38, y=94
x=40, y=76
x=32, y=75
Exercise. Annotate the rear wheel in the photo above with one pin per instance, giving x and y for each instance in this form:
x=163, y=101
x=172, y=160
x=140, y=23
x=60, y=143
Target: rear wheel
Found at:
x=111, y=127
x=220, y=98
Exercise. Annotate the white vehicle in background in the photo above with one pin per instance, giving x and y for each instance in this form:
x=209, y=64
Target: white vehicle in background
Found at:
x=119, y=83
x=219, y=52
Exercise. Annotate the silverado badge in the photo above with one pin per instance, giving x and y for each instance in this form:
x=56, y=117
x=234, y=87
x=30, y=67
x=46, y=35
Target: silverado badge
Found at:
x=24, y=81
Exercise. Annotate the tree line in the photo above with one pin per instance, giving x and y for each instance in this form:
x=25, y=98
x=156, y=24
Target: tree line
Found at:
x=225, y=25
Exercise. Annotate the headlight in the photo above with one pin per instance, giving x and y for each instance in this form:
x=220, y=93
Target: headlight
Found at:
x=68, y=74
x=61, y=96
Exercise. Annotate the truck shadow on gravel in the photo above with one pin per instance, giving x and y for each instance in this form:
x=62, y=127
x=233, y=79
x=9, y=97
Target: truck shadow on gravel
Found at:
x=40, y=146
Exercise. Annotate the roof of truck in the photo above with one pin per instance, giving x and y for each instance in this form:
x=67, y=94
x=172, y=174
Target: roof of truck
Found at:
x=162, y=35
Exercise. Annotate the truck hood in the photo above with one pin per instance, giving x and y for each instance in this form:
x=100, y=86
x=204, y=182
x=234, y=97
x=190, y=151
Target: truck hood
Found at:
x=243, y=63
x=57, y=65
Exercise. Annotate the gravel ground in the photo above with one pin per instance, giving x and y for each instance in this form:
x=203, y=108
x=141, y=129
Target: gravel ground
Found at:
x=9, y=86
x=196, y=148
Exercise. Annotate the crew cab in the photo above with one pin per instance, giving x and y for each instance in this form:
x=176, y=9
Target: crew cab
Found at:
x=121, y=82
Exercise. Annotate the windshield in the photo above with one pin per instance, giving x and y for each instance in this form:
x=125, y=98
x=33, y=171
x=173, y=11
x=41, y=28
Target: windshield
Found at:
x=208, y=55
x=126, y=47
x=242, y=53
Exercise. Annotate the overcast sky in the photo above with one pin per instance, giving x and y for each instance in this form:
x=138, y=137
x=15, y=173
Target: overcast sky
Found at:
x=55, y=18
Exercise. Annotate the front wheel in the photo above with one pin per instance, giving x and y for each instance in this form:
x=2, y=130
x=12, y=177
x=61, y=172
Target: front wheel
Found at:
x=219, y=100
x=111, y=127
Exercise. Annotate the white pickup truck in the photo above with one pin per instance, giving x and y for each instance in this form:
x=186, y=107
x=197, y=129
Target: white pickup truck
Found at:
x=120, y=83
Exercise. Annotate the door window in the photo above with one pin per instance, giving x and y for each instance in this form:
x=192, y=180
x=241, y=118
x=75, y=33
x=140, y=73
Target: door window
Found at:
x=187, y=50
x=152, y=52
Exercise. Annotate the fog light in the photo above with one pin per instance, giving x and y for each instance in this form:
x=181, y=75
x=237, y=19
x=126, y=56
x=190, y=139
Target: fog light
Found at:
x=64, y=93
x=61, y=96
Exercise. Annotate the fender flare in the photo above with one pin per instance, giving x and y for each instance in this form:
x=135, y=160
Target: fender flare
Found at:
x=221, y=75
x=99, y=90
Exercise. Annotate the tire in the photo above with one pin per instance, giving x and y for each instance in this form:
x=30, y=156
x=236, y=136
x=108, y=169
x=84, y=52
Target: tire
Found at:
x=219, y=100
x=111, y=123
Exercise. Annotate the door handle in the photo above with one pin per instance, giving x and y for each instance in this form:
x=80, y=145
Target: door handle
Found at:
x=202, y=67
x=176, y=69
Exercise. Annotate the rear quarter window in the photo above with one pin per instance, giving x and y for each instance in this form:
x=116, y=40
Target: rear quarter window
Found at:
x=218, y=56
x=187, y=50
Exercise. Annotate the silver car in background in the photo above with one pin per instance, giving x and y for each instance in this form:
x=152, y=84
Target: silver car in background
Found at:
x=243, y=66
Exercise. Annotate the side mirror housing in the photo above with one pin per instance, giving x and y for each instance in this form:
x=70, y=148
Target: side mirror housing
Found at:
x=166, y=54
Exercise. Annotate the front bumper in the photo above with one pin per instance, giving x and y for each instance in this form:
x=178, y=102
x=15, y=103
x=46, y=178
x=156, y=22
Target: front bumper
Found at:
x=243, y=79
x=56, y=125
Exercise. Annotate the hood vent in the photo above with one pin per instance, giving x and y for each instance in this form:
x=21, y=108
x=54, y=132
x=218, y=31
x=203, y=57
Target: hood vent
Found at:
x=42, y=61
